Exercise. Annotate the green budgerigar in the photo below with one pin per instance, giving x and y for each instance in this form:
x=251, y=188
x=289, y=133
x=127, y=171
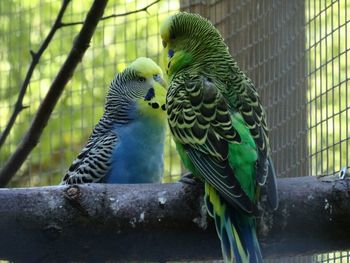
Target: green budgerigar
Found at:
x=219, y=128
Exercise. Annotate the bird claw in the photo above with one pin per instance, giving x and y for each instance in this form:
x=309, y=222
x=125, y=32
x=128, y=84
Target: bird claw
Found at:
x=188, y=178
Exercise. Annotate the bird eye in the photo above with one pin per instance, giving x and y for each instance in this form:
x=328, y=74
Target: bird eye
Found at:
x=164, y=43
x=141, y=79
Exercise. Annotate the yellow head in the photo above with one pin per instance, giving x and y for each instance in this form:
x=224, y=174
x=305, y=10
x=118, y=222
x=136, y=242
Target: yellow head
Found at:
x=139, y=89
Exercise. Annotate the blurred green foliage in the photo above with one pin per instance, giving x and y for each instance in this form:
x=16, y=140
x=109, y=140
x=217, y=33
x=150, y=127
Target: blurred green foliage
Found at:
x=117, y=42
x=327, y=46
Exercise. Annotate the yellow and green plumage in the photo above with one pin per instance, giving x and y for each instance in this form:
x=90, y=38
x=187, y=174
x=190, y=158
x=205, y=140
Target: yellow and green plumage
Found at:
x=219, y=128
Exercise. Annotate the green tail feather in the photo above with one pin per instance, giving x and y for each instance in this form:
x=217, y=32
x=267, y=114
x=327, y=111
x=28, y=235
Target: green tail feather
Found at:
x=236, y=231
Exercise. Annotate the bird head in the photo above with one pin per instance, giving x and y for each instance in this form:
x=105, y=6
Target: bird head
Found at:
x=188, y=38
x=138, y=90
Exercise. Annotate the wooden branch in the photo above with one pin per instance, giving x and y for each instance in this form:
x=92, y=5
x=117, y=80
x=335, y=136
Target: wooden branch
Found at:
x=35, y=60
x=100, y=223
x=43, y=114
x=143, y=9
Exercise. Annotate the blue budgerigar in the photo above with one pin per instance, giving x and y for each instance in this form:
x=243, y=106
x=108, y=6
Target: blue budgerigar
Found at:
x=127, y=144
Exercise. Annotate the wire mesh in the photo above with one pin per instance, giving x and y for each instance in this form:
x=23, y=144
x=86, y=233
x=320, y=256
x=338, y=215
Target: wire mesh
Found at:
x=267, y=39
x=328, y=98
x=296, y=52
x=327, y=46
x=116, y=43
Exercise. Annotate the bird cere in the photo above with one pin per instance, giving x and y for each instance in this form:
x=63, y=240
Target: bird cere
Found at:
x=216, y=120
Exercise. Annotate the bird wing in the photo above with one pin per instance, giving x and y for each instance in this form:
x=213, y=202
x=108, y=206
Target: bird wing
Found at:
x=200, y=121
x=93, y=163
x=245, y=98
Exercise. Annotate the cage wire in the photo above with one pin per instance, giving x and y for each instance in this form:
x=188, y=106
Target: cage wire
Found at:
x=296, y=52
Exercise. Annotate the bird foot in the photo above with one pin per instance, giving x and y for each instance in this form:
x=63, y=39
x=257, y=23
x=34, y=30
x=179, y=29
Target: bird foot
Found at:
x=188, y=178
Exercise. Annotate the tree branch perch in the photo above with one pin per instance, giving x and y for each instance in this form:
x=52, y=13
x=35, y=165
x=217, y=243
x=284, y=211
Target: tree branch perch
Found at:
x=98, y=222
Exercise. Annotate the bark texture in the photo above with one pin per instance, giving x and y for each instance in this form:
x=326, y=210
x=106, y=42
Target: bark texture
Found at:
x=161, y=222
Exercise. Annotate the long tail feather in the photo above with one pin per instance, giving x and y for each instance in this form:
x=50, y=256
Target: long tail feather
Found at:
x=236, y=231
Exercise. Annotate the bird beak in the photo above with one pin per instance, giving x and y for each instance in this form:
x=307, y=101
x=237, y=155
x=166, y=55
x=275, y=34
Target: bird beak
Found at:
x=161, y=81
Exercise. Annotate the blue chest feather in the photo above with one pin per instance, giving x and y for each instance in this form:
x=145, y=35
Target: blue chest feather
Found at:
x=138, y=155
